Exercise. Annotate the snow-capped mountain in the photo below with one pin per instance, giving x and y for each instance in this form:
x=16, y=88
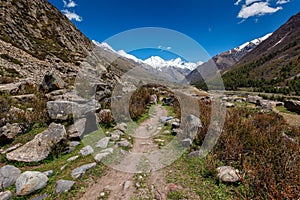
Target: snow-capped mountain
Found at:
x=174, y=70
x=224, y=61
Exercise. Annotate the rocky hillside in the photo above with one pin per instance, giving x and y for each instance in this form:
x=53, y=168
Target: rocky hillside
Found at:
x=225, y=60
x=274, y=66
x=39, y=29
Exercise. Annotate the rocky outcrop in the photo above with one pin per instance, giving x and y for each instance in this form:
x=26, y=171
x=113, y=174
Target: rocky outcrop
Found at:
x=293, y=106
x=29, y=182
x=8, y=176
x=76, y=130
x=9, y=132
x=7, y=195
x=41, y=146
x=52, y=82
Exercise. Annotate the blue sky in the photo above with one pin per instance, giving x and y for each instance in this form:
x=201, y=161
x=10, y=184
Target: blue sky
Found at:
x=217, y=25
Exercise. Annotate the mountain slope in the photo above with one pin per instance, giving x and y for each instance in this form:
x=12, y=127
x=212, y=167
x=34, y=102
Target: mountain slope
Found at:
x=274, y=65
x=224, y=61
x=38, y=28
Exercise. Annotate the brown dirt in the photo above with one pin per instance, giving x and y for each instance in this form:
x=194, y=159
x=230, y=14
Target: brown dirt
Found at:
x=113, y=181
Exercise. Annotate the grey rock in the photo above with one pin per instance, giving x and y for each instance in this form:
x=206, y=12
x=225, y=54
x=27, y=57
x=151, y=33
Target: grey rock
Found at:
x=29, y=182
x=229, y=105
x=62, y=110
x=110, y=150
x=127, y=185
x=103, y=143
x=8, y=176
x=52, y=82
x=264, y=105
x=85, y=151
x=77, y=129
x=48, y=173
x=124, y=143
x=121, y=127
x=7, y=195
x=41, y=146
x=165, y=119
x=72, y=158
x=228, y=174
x=78, y=172
x=9, y=132
x=186, y=142
x=154, y=99
x=293, y=106
x=2, y=151
x=74, y=143
x=115, y=135
x=100, y=156
x=253, y=99
x=63, y=186
x=175, y=125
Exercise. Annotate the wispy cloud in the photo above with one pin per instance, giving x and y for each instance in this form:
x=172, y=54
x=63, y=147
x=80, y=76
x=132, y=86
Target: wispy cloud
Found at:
x=280, y=2
x=72, y=15
x=248, y=2
x=238, y=2
x=70, y=4
x=257, y=9
x=164, y=48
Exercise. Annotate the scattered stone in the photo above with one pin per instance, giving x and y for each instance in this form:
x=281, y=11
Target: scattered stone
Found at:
x=293, y=106
x=52, y=82
x=48, y=173
x=43, y=196
x=41, y=146
x=229, y=105
x=63, y=167
x=186, y=142
x=165, y=119
x=137, y=185
x=29, y=182
x=121, y=127
x=124, y=143
x=166, y=132
x=110, y=150
x=103, y=143
x=228, y=174
x=72, y=158
x=253, y=99
x=85, y=151
x=7, y=195
x=78, y=172
x=25, y=97
x=9, y=132
x=74, y=143
x=177, y=131
x=63, y=186
x=264, y=105
x=175, y=125
x=115, y=135
x=100, y=156
x=127, y=185
x=8, y=176
x=76, y=130
x=154, y=99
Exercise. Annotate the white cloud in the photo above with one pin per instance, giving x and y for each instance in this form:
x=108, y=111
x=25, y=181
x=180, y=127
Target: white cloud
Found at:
x=238, y=2
x=72, y=15
x=282, y=2
x=164, y=48
x=70, y=4
x=248, y=2
x=257, y=9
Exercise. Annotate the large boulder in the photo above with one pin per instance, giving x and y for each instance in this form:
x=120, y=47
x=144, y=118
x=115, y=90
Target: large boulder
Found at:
x=52, y=82
x=41, y=146
x=293, y=106
x=29, y=182
x=228, y=174
x=253, y=99
x=8, y=176
x=9, y=132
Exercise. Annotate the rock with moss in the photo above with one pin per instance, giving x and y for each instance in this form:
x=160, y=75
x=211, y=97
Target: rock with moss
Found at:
x=41, y=146
x=63, y=186
x=78, y=172
x=30, y=181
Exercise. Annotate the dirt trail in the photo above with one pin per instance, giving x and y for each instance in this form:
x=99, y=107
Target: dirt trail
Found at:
x=293, y=120
x=113, y=181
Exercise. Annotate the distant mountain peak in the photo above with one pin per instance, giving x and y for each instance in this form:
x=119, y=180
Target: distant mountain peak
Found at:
x=254, y=42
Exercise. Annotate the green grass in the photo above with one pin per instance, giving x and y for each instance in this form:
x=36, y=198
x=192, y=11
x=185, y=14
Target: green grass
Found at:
x=284, y=110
